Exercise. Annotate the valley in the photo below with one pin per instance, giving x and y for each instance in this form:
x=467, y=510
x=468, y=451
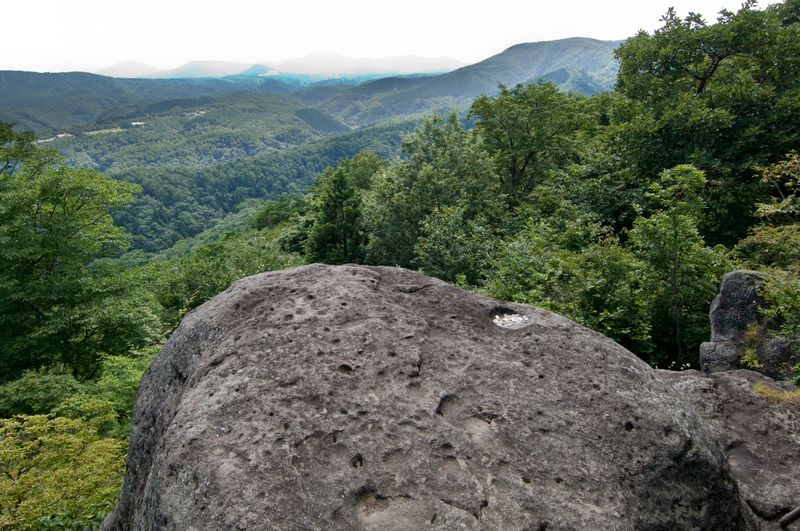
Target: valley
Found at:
x=201, y=144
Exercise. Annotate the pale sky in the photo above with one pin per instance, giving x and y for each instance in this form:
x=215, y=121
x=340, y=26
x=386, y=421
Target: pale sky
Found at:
x=61, y=35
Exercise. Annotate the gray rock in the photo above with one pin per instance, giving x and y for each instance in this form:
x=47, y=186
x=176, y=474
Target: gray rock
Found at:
x=721, y=356
x=376, y=398
x=761, y=438
x=733, y=311
x=736, y=306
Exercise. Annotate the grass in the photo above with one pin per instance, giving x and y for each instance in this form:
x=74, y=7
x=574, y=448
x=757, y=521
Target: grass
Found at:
x=775, y=395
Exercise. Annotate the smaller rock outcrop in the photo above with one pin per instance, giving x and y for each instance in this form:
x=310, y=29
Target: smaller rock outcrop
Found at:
x=740, y=338
x=761, y=437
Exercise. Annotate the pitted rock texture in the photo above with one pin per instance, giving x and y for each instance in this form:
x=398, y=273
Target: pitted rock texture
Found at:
x=761, y=438
x=377, y=398
x=733, y=310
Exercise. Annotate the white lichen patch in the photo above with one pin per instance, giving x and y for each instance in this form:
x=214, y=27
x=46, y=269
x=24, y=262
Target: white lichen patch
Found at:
x=511, y=320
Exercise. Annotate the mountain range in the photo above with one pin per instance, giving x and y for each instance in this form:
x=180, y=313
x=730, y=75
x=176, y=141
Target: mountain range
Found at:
x=312, y=67
x=211, y=135
x=48, y=103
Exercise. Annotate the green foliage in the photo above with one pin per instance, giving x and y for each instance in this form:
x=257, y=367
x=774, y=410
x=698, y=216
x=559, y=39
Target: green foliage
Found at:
x=721, y=96
x=362, y=168
x=197, y=132
x=183, y=283
x=55, y=300
x=331, y=228
x=37, y=392
x=771, y=247
x=55, y=102
x=774, y=245
x=56, y=469
x=681, y=274
x=96, y=412
x=62, y=468
x=569, y=264
x=776, y=395
x=119, y=380
x=781, y=292
x=750, y=359
x=102, y=402
x=277, y=211
x=454, y=246
x=775, y=242
x=336, y=235
x=446, y=166
x=531, y=130
x=181, y=201
x=784, y=178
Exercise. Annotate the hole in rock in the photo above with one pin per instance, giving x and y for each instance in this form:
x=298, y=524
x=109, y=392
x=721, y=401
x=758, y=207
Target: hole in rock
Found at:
x=445, y=401
x=345, y=368
x=508, y=318
x=628, y=426
x=357, y=461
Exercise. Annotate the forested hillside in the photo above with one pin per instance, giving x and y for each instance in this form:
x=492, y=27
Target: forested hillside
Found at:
x=50, y=103
x=620, y=210
x=585, y=66
x=180, y=201
x=53, y=103
x=199, y=147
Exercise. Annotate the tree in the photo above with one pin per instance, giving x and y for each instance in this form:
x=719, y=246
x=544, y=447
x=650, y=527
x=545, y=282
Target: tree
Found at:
x=336, y=237
x=774, y=245
x=775, y=242
x=722, y=97
x=681, y=274
x=454, y=247
x=530, y=130
x=570, y=264
x=446, y=166
x=55, y=223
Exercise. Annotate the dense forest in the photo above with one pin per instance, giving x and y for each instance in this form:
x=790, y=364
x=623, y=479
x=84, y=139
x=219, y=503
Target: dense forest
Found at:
x=620, y=210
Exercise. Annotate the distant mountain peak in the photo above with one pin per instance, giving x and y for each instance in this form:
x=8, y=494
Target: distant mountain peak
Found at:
x=334, y=64
x=128, y=69
x=198, y=69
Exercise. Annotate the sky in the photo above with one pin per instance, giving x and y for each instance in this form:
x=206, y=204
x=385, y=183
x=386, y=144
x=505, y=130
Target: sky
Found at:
x=65, y=35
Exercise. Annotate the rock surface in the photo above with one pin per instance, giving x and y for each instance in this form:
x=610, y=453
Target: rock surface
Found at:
x=376, y=398
x=733, y=311
x=761, y=438
x=736, y=306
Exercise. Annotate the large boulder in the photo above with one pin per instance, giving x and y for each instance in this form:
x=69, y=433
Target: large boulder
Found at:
x=737, y=327
x=377, y=398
